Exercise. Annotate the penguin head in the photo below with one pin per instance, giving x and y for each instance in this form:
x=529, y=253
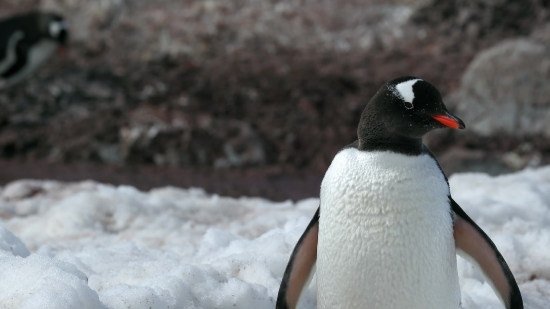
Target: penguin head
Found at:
x=405, y=108
x=54, y=27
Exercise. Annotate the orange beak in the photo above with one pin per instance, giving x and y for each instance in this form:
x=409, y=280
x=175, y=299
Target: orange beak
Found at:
x=450, y=121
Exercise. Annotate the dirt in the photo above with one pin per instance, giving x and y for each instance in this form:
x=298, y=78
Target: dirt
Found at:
x=269, y=182
x=261, y=118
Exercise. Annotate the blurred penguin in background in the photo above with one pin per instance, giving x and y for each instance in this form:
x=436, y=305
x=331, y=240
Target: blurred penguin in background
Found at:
x=27, y=41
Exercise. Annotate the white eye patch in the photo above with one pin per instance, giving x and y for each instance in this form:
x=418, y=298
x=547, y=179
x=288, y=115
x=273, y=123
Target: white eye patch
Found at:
x=405, y=91
x=56, y=27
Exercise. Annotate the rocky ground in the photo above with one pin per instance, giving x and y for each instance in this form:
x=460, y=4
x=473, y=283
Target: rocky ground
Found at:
x=255, y=97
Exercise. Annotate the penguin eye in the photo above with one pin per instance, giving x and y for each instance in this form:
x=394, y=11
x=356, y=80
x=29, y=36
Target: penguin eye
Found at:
x=404, y=90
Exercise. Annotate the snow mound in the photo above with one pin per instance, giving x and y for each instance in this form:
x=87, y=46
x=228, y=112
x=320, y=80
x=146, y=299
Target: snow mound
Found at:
x=42, y=282
x=100, y=246
x=11, y=245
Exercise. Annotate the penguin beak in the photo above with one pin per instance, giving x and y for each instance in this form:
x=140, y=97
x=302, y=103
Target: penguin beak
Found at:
x=450, y=121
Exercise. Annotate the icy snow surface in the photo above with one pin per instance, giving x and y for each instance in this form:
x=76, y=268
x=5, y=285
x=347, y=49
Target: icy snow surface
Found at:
x=99, y=246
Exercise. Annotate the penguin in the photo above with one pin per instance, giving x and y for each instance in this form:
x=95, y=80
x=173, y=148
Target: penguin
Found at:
x=387, y=230
x=27, y=41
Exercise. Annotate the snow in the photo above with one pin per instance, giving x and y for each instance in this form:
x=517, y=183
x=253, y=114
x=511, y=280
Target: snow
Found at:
x=99, y=246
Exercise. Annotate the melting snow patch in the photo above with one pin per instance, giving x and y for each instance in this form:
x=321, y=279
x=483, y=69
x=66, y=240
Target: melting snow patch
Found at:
x=100, y=246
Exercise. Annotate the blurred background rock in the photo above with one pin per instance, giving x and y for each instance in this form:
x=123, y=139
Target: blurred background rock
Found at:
x=255, y=97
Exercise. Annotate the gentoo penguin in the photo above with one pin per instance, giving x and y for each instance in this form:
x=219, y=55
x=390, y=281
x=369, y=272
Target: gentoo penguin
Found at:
x=27, y=41
x=387, y=230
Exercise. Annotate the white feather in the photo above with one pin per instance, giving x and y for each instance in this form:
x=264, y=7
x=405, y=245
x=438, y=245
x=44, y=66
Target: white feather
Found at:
x=385, y=234
x=405, y=90
x=55, y=28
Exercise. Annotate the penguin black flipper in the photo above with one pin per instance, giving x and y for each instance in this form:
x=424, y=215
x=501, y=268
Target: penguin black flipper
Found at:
x=20, y=61
x=300, y=266
x=8, y=49
x=474, y=245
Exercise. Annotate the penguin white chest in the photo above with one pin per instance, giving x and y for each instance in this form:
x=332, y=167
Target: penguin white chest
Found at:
x=385, y=234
